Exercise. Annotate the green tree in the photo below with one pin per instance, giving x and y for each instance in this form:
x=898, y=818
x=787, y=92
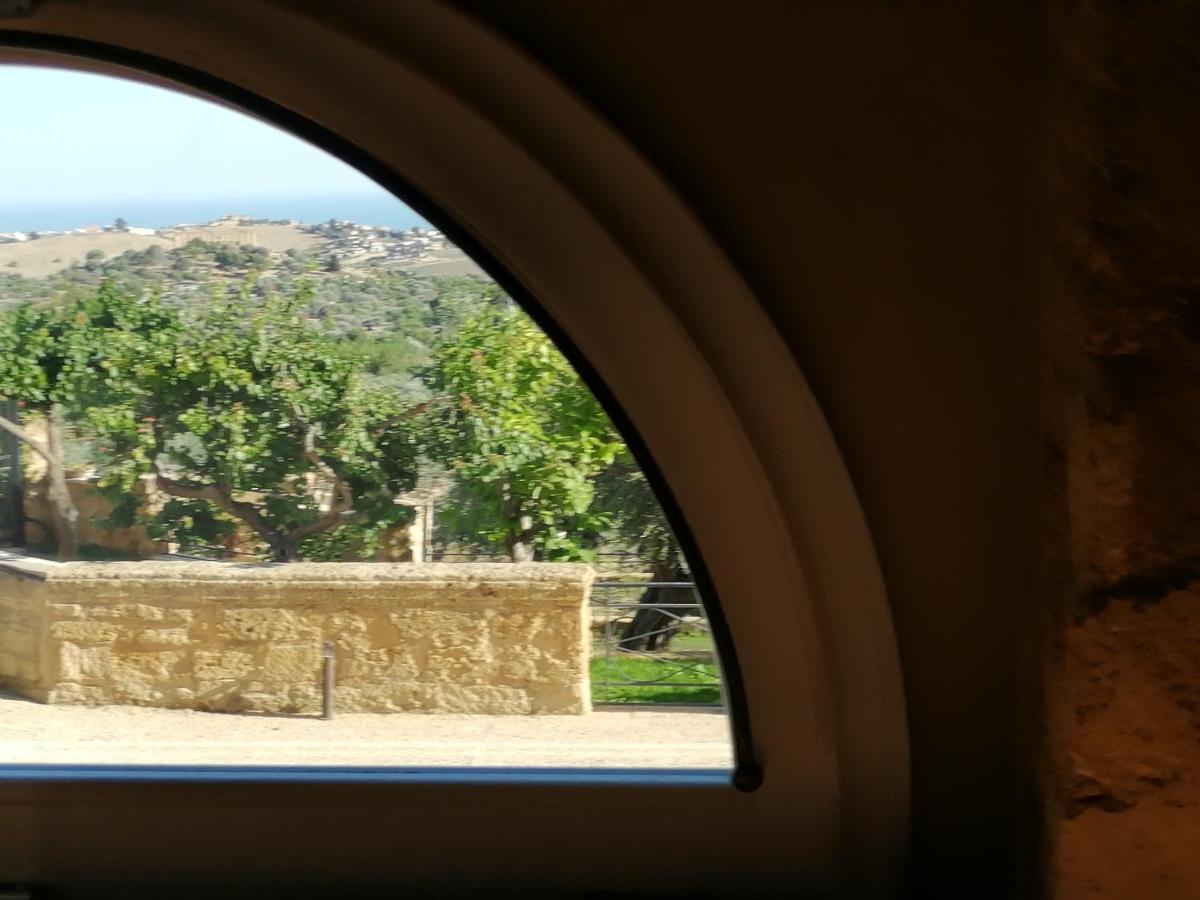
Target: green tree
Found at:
x=50, y=358
x=120, y=224
x=523, y=436
x=242, y=410
x=638, y=524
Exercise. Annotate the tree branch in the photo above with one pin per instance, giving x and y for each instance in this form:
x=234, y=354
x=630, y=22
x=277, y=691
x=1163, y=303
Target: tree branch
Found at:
x=343, y=496
x=22, y=434
x=389, y=422
x=223, y=500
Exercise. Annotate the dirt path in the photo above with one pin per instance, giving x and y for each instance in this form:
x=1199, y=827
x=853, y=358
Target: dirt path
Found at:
x=35, y=733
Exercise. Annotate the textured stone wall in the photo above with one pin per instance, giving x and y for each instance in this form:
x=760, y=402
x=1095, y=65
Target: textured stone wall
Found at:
x=22, y=625
x=1124, y=695
x=479, y=638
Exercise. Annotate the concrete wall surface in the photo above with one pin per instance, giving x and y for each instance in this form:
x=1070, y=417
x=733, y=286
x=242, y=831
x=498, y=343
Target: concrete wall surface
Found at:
x=437, y=637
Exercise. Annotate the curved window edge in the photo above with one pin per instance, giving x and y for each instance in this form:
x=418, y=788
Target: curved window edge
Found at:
x=747, y=774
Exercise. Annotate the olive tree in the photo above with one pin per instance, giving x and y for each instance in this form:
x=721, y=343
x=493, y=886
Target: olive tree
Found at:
x=53, y=356
x=242, y=409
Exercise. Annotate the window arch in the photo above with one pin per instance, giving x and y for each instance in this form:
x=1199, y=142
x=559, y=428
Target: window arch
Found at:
x=599, y=254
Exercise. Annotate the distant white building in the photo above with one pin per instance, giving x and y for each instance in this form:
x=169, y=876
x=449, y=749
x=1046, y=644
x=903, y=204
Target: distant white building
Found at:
x=9, y=237
x=145, y=232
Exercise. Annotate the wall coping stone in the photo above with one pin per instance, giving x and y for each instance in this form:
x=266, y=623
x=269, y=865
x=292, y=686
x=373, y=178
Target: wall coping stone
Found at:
x=323, y=573
x=17, y=563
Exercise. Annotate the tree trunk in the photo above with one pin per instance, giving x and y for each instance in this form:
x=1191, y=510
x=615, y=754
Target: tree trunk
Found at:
x=519, y=540
x=64, y=515
x=284, y=551
x=520, y=545
x=652, y=629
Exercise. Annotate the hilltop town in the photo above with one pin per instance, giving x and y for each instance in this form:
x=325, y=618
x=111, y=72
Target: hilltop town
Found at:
x=333, y=245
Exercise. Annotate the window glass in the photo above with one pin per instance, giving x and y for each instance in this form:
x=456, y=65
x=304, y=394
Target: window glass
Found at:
x=287, y=479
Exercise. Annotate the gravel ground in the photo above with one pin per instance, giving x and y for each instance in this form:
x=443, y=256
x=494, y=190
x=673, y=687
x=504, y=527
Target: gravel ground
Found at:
x=35, y=733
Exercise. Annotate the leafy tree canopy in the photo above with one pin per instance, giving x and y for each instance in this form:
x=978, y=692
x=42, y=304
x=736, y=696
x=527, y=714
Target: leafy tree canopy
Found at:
x=243, y=405
x=240, y=407
x=522, y=435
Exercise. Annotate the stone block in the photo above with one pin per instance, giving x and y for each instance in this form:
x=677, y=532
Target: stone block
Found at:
x=19, y=640
x=381, y=697
x=219, y=696
x=517, y=671
x=270, y=624
x=76, y=663
x=63, y=611
x=85, y=695
x=137, y=693
x=491, y=700
x=85, y=632
x=468, y=664
x=163, y=637
x=292, y=663
x=560, y=699
x=220, y=665
x=136, y=612
x=154, y=667
x=558, y=669
x=404, y=665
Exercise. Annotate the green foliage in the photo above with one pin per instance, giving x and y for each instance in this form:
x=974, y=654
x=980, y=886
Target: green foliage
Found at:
x=243, y=404
x=59, y=353
x=636, y=518
x=257, y=402
x=244, y=258
x=195, y=525
x=241, y=407
x=522, y=435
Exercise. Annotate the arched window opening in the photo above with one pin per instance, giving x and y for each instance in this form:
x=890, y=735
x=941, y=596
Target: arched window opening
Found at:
x=275, y=447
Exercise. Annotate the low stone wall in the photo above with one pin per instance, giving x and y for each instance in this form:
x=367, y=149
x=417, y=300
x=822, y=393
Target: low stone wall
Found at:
x=481, y=638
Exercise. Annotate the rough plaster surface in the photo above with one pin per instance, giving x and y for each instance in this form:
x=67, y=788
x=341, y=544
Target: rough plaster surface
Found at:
x=477, y=638
x=1131, y=680
x=1123, y=699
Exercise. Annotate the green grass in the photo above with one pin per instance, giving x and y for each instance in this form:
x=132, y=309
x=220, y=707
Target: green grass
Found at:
x=633, y=668
x=692, y=640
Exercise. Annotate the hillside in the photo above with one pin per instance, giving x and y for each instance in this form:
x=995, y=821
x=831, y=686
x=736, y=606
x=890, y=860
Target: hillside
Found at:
x=354, y=246
x=48, y=255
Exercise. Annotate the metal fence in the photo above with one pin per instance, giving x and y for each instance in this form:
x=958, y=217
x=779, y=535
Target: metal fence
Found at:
x=651, y=640
x=652, y=645
x=12, y=517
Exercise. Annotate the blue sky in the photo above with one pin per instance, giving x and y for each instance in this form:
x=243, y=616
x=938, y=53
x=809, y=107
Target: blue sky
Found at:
x=71, y=137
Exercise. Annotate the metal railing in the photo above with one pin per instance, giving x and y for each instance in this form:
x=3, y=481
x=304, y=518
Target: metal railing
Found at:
x=12, y=512
x=648, y=650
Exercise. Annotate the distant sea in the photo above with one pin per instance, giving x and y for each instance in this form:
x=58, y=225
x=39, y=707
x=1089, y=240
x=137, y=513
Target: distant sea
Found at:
x=375, y=209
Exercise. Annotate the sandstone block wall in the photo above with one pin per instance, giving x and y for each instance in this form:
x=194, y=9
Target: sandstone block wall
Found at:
x=479, y=638
x=22, y=625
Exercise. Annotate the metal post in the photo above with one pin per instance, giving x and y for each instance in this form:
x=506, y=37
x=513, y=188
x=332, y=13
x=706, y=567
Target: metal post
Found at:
x=15, y=488
x=327, y=672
